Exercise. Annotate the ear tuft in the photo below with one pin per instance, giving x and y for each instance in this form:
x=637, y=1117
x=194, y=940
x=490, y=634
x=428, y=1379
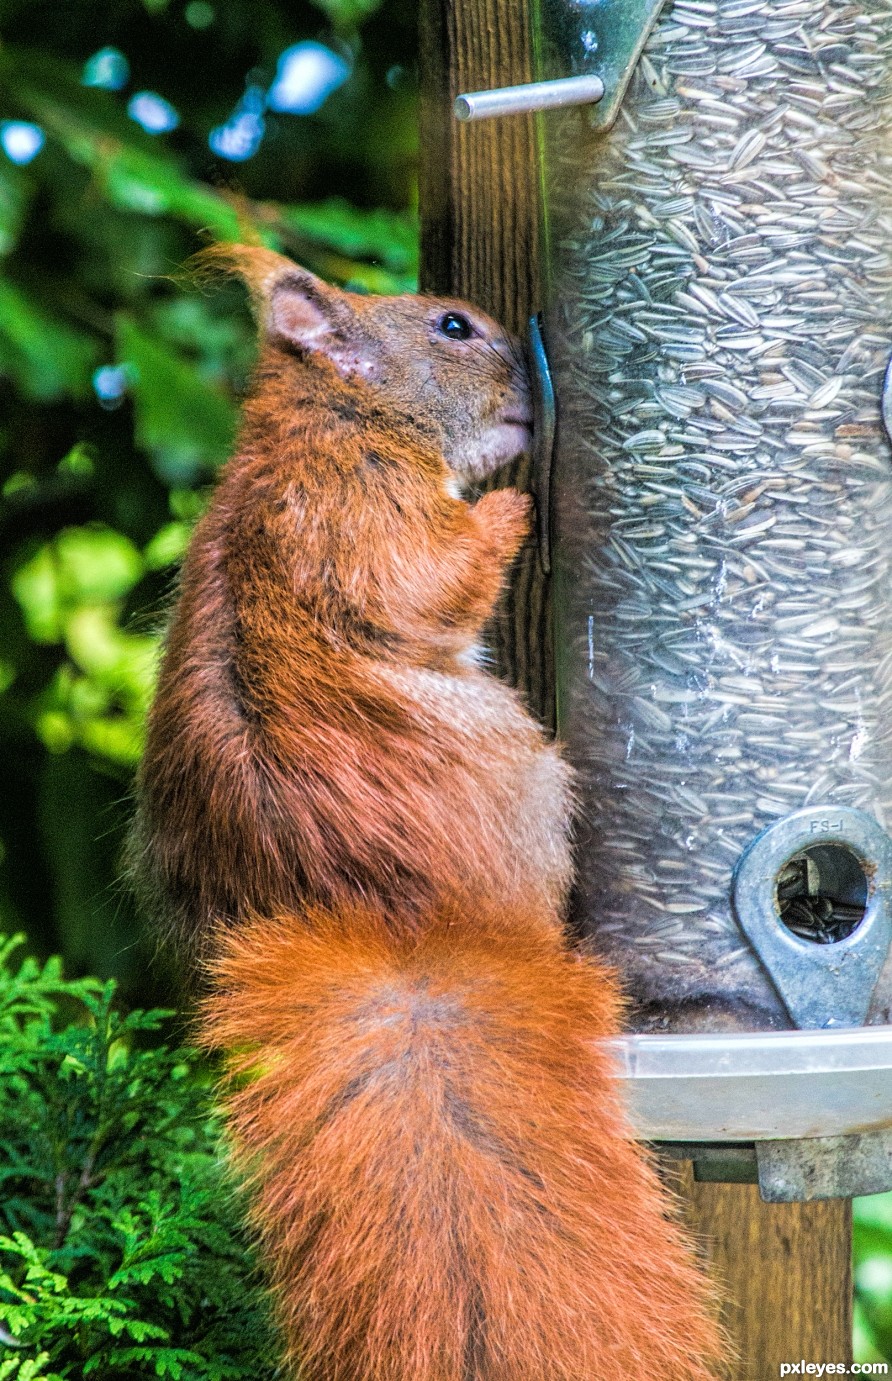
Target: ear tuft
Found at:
x=291, y=305
x=259, y=268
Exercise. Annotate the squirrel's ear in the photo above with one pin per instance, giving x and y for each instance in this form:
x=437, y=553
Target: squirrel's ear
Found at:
x=292, y=305
x=304, y=312
x=307, y=314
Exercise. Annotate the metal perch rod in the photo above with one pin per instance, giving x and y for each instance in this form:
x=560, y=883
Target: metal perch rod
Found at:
x=531, y=96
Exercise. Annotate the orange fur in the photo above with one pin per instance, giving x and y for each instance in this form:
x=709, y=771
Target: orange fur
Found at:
x=315, y=733
x=443, y=1181
x=442, y=1173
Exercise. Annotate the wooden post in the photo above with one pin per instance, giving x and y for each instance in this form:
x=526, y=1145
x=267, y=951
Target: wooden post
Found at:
x=784, y=1271
x=479, y=240
x=784, y=1267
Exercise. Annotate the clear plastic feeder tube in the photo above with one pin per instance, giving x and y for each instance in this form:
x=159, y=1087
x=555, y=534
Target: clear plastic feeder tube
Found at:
x=719, y=327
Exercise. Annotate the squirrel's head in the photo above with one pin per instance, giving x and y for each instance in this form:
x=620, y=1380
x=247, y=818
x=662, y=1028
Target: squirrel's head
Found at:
x=450, y=371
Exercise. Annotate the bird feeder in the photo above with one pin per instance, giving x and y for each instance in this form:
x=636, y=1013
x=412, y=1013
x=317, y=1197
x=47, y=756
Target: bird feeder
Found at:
x=714, y=479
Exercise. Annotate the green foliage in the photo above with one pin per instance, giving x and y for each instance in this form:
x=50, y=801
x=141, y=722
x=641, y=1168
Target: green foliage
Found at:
x=873, y=1278
x=45, y=357
x=183, y=422
x=71, y=592
x=121, y=1255
x=346, y=14
x=387, y=239
x=119, y=381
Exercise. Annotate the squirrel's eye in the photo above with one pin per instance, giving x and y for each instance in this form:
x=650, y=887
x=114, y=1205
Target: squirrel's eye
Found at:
x=455, y=326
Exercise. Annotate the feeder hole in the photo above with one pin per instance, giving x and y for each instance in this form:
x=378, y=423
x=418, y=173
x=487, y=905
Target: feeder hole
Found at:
x=821, y=893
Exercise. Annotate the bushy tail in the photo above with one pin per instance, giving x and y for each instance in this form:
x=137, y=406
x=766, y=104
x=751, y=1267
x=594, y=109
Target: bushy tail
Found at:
x=443, y=1181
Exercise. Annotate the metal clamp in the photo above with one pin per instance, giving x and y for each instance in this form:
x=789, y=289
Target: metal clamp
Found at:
x=820, y=1167
x=825, y=984
x=598, y=42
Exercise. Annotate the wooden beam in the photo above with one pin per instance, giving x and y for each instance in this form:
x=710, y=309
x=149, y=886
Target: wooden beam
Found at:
x=474, y=243
x=785, y=1267
x=479, y=240
x=785, y=1272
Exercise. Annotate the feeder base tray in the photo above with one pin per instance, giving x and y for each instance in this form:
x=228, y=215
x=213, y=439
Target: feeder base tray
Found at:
x=803, y=1114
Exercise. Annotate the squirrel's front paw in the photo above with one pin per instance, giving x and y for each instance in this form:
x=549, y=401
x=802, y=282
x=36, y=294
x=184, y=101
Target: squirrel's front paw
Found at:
x=505, y=516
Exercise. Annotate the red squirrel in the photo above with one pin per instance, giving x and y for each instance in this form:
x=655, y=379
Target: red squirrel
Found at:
x=365, y=838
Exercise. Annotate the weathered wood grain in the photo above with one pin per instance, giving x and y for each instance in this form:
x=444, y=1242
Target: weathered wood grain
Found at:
x=479, y=240
x=785, y=1272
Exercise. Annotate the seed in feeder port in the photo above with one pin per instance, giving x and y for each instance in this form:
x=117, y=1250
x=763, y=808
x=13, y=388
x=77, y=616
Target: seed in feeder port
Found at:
x=821, y=894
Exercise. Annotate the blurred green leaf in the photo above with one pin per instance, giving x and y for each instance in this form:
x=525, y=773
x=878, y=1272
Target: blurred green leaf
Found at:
x=185, y=423
x=78, y=461
x=36, y=588
x=872, y=1216
x=348, y=14
x=218, y=340
x=95, y=563
x=99, y=699
x=79, y=566
x=874, y=1211
x=70, y=592
x=45, y=357
x=388, y=236
x=188, y=504
x=875, y=1278
x=167, y=546
x=122, y=662
x=14, y=197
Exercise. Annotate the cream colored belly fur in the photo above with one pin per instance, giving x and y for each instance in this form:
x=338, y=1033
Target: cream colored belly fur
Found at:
x=524, y=798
